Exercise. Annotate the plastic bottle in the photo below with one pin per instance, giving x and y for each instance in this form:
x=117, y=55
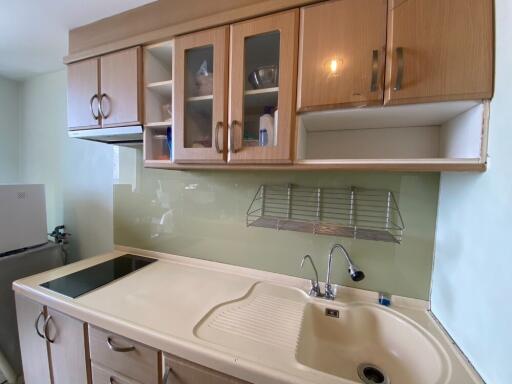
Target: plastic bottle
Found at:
x=266, y=136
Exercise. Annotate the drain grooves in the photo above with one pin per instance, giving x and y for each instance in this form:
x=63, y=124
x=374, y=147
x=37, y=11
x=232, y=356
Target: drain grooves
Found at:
x=371, y=374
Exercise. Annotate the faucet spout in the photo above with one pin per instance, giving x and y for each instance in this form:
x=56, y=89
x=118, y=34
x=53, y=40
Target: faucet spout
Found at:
x=315, y=286
x=355, y=273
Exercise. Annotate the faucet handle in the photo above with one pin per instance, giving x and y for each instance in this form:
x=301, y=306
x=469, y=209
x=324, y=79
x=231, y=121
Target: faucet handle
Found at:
x=315, y=286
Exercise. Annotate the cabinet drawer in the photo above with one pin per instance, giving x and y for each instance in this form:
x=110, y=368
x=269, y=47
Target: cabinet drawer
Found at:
x=102, y=375
x=129, y=358
x=186, y=372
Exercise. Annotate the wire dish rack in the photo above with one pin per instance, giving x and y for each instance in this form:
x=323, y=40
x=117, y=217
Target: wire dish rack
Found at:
x=358, y=213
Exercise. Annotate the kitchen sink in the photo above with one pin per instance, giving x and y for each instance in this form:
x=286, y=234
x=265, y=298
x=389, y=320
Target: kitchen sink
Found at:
x=367, y=343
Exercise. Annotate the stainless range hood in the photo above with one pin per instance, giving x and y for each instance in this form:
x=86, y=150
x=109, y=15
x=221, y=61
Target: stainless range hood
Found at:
x=118, y=136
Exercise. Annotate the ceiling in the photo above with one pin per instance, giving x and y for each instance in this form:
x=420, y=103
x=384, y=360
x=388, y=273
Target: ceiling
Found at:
x=34, y=33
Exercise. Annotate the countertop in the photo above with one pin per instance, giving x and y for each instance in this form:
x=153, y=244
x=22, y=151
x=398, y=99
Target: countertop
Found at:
x=161, y=304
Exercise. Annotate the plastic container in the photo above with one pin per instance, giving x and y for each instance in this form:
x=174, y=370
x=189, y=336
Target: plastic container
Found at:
x=266, y=136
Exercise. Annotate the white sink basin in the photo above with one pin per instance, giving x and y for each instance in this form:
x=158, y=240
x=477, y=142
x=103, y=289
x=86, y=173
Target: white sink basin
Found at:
x=366, y=333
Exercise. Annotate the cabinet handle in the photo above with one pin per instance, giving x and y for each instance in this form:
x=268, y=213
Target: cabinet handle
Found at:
x=115, y=348
x=375, y=70
x=96, y=116
x=400, y=68
x=100, y=107
x=218, y=127
x=166, y=376
x=45, y=330
x=112, y=380
x=36, y=325
x=232, y=145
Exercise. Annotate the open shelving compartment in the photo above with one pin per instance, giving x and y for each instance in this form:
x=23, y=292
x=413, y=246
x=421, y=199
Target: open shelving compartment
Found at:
x=446, y=135
x=358, y=213
x=157, y=102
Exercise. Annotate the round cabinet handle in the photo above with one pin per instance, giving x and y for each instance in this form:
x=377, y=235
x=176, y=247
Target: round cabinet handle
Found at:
x=45, y=330
x=36, y=324
x=400, y=69
x=375, y=71
x=218, y=127
x=115, y=348
x=95, y=115
x=100, y=105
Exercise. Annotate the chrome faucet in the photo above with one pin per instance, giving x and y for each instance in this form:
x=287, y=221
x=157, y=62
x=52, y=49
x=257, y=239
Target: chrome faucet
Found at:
x=315, y=286
x=354, y=272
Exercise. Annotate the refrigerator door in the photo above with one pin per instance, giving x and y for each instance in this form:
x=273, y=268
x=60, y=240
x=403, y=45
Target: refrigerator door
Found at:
x=22, y=217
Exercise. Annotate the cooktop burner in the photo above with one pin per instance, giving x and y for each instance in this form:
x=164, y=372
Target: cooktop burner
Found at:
x=81, y=282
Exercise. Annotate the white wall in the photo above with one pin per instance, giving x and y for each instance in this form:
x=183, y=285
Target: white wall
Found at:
x=472, y=278
x=8, y=131
x=78, y=175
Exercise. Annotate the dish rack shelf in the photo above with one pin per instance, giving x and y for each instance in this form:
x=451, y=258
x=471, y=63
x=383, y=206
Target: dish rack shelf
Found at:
x=358, y=213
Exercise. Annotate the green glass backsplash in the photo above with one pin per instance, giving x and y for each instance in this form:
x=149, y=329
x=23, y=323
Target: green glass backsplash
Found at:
x=202, y=214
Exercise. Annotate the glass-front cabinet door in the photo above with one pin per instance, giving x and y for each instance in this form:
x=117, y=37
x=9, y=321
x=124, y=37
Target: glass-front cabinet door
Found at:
x=263, y=66
x=200, y=76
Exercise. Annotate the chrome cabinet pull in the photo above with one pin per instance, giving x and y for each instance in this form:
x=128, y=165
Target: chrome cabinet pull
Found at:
x=100, y=106
x=36, y=325
x=45, y=330
x=166, y=376
x=115, y=348
x=218, y=127
x=96, y=116
x=375, y=70
x=232, y=145
x=400, y=68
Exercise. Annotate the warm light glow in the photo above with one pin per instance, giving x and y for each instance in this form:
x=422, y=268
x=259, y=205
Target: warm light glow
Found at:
x=334, y=66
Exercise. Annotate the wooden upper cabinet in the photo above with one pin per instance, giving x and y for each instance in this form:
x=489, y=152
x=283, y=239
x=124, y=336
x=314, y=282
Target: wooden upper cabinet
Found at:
x=121, y=87
x=268, y=44
x=439, y=50
x=200, y=97
x=342, y=54
x=83, y=94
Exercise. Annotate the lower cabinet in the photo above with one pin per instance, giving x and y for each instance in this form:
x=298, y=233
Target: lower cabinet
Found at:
x=179, y=371
x=58, y=349
x=52, y=345
x=127, y=359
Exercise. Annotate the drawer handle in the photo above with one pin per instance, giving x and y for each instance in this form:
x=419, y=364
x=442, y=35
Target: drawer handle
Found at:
x=115, y=348
x=36, y=325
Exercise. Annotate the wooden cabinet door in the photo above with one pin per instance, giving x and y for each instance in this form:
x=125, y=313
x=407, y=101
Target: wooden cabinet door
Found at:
x=262, y=44
x=68, y=350
x=200, y=83
x=34, y=350
x=120, y=99
x=342, y=54
x=83, y=94
x=439, y=50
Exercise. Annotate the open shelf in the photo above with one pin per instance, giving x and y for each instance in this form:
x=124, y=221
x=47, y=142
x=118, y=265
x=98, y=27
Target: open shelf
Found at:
x=429, y=134
x=162, y=88
x=156, y=147
x=158, y=62
x=200, y=98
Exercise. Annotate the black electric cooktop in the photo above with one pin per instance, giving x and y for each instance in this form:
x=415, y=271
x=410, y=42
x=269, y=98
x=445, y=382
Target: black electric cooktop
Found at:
x=78, y=283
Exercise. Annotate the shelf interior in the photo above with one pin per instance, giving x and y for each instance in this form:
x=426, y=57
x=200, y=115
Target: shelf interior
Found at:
x=449, y=130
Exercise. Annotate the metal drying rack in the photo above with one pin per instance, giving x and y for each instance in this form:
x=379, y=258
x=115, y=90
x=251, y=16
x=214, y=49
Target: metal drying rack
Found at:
x=358, y=213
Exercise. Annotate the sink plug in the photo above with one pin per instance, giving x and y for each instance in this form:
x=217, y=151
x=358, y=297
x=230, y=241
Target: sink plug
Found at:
x=384, y=299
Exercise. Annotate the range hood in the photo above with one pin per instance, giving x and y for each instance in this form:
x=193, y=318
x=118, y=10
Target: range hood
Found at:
x=118, y=136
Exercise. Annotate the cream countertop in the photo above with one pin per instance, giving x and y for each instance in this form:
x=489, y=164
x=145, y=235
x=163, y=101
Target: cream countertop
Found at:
x=161, y=304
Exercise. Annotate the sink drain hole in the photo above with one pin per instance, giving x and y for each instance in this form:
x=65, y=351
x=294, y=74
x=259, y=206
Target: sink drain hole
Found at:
x=371, y=374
